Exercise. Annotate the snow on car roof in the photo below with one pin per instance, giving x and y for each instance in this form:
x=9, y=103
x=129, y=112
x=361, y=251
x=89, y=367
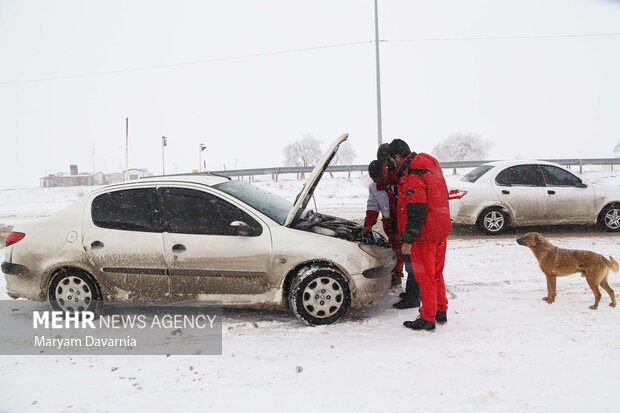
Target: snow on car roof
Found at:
x=518, y=162
x=203, y=179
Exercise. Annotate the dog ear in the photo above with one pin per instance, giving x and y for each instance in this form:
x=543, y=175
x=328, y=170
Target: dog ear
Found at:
x=538, y=237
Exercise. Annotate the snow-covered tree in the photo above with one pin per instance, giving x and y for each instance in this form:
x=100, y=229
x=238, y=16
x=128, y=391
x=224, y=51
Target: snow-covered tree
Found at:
x=617, y=150
x=345, y=155
x=462, y=147
x=304, y=152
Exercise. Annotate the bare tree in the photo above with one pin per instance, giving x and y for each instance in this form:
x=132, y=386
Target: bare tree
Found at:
x=462, y=147
x=345, y=155
x=304, y=152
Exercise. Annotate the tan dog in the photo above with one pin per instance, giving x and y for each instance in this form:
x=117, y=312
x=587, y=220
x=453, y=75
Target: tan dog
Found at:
x=557, y=262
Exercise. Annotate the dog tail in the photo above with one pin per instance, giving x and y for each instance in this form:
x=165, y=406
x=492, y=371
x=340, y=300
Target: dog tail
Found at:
x=612, y=264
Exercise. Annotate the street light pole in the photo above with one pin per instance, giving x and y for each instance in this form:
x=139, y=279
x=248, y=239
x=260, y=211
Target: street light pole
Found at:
x=379, y=127
x=201, y=148
x=164, y=143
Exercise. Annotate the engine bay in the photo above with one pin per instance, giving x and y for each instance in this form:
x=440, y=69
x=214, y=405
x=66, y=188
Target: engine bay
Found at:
x=339, y=228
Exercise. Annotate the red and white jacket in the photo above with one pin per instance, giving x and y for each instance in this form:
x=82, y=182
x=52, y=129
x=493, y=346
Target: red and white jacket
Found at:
x=423, y=210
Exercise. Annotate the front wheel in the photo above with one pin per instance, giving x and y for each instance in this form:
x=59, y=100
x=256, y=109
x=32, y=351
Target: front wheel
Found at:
x=493, y=221
x=320, y=295
x=609, y=218
x=73, y=290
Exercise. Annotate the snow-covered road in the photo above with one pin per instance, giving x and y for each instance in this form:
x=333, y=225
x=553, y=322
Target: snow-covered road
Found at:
x=503, y=350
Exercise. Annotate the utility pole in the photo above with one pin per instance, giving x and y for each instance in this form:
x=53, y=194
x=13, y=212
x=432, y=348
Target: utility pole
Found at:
x=201, y=148
x=379, y=127
x=164, y=143
x=126, y=147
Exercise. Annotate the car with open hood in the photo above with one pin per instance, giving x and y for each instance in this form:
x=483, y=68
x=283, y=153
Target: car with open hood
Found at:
x=199, y=238
x=500, y=194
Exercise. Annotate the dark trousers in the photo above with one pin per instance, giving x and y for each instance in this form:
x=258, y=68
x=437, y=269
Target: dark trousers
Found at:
x=412, y=288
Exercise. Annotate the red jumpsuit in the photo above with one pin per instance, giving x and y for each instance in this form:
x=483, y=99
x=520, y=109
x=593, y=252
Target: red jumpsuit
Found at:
x=424, y=221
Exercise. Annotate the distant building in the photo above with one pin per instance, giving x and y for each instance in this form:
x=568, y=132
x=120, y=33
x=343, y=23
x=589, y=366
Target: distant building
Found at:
x=60, y=179
x=134, y=174
x=74, y=178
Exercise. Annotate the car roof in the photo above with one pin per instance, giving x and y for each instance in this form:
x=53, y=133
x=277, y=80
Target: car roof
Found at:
x=197, y=178
x=514, y=162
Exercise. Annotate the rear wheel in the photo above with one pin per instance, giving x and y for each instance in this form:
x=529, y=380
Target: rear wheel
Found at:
x=73, y=290
x=319, y=295
x=493, y=221
x=609, y=218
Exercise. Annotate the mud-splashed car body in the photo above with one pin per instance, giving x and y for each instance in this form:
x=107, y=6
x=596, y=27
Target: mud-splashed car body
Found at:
x=193, y=238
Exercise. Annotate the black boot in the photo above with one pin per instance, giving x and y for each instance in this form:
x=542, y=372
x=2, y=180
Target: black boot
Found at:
x=406, y=303
x=441, y=317
x=420, y=324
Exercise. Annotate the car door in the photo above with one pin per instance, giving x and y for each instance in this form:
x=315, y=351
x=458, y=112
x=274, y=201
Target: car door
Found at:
x=122, y=236
x=521, y=189
x=569, y=200
x=212, y=246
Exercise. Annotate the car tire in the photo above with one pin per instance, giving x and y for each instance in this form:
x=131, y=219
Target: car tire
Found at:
x=609, y=218
x=493, y=221
x=319, y=295
x=74, y=290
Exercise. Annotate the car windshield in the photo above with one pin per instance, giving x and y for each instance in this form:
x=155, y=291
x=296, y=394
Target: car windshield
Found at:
x=269, y=204
x=474, y=175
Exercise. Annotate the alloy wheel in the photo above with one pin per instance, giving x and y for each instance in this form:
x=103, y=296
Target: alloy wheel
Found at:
x=323, y=297
x=73, y=294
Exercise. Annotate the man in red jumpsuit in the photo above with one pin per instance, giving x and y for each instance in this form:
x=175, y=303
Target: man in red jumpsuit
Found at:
x=424, y=222
x=383, y=175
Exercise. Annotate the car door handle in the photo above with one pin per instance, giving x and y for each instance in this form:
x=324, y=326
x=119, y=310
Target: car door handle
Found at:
x=551, y=192
x=96, y=244
x=505, y=192
x=178, y=248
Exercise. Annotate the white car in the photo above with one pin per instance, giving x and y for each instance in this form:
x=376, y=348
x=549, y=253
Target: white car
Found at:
x=199, y=238
x=504, y=193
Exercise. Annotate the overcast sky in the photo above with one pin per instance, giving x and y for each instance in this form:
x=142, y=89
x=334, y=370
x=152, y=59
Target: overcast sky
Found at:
x=534, y=97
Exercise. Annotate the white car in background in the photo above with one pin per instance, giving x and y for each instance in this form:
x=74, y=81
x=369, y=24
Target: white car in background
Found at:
x=199, y=238
x=517, y=193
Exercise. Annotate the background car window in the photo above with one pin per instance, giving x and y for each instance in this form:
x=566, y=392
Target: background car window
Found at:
x=555, y=176
x=129, y=210
x=195, y=212
x=474, y=175
x=520, y=175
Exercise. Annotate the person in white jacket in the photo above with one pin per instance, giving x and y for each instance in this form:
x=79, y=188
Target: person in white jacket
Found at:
x=379, y=202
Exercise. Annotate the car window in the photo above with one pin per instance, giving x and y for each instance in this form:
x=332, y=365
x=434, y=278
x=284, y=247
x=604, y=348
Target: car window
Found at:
x=474, y=175
x=520, y=175
x=129, y=210
x=555, y=176
x=269, y=204
x=195, y=212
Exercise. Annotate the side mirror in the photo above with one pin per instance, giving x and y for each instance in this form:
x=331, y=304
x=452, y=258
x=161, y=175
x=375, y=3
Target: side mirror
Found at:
x=581, y=184
x=241, y=228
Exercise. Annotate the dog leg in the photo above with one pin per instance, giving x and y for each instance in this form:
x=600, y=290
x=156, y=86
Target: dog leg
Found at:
x=611, y=293
x=550, y=298
x=594, y=287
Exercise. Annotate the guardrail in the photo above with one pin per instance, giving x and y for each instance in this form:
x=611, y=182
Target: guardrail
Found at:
x=275, y=172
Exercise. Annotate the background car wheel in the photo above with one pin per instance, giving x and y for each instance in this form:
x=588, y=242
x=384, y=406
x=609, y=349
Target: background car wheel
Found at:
x=493, y=221
x=319, y=295
x=74, y=290
x=609, y=218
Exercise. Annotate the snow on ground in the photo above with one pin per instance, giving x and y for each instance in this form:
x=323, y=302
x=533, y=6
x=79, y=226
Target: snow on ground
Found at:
x=503, y=349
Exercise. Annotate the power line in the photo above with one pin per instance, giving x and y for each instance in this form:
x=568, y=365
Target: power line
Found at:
x=194, y=62
x=305, y=49
x=524, y=37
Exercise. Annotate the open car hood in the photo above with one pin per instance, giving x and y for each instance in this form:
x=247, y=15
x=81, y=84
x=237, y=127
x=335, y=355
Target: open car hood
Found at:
x=310, y=185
